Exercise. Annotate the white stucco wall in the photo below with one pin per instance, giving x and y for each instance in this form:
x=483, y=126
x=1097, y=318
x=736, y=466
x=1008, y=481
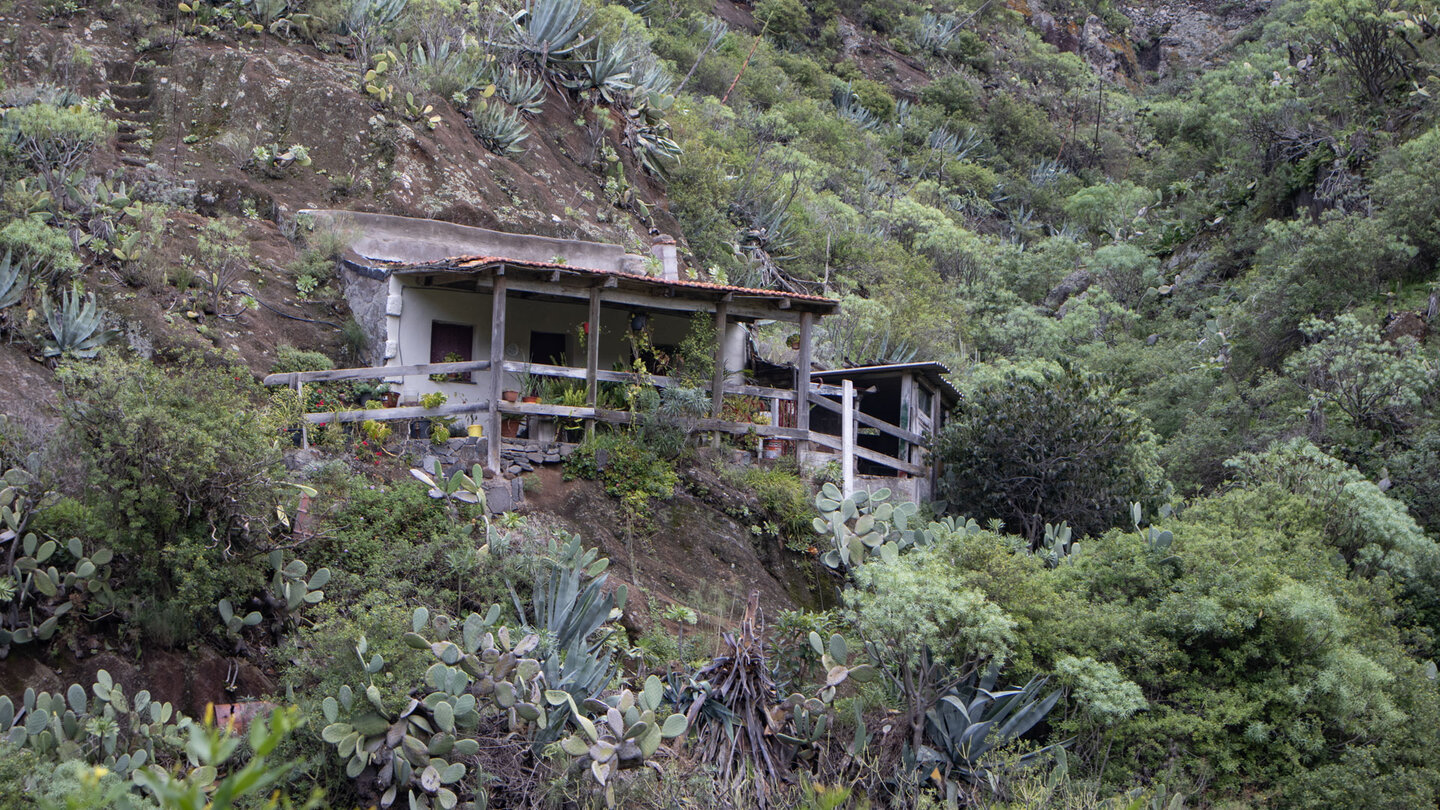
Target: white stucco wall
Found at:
x=419, y=307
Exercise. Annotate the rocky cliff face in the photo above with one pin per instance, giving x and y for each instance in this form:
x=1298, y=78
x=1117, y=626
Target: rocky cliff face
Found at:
x=1144, y=42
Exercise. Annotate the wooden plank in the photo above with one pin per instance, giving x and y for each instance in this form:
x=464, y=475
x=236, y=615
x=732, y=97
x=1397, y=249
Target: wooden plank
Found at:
x=497, y=364
x=867, y=454
x=392, y=414
x=375, y=372
x=802, y=382
x=627, y=417
x=869, y=421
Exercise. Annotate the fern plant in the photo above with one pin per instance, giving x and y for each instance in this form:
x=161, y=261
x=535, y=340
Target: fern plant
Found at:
x=77, y=326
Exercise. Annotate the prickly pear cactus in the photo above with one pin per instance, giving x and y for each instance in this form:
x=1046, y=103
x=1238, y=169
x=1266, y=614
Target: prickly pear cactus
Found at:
x=865, y=526
x=48, y=578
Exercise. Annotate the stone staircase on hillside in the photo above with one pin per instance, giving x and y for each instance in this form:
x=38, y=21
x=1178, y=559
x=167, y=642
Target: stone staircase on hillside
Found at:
x=132, y=88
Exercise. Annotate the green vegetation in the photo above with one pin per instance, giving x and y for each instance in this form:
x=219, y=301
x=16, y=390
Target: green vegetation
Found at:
x=1185, y=548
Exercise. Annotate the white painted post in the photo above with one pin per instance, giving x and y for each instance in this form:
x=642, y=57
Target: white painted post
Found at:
x=847, y=437
x=304, y=425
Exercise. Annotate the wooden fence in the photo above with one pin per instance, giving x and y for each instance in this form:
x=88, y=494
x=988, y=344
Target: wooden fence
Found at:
x=818, y=395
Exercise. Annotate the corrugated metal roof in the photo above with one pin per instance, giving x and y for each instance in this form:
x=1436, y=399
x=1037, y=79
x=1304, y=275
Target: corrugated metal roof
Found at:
x=933, y=370
x=460, y=263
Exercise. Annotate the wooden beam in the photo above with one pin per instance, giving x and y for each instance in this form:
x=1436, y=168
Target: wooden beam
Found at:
x=628, y=377
x=392, y=414
x=717, y=384
x=802, y=383
x=497, y=368
x=867, y=454
x=375, y=373
x=937, y=413
x=626, y=417
x=592, y=358
x=569, y=287
x=869, y=421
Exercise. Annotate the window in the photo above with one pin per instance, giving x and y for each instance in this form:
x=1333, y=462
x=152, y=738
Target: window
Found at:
x=449, y=341
x=547, y=348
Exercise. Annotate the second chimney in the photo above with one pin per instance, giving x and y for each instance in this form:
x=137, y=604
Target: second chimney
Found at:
x=664, y=249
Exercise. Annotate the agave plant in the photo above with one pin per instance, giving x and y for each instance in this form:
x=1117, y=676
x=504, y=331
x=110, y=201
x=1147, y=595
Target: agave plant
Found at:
x=849, y=106
x=571, y=609
x=956, y=145
x=657, y=151
x=548, y=29
x=608, y=73
x=499, y=128
x=522, y=91
x=77, y=327
x=14, y=280
x=965, y=726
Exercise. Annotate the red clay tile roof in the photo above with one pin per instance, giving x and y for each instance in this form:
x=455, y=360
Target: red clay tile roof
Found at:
x=478, y=262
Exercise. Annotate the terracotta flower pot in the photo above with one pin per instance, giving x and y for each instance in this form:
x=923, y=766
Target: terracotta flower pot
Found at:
x=510, y=396
x=530, y=399
x=510, y=428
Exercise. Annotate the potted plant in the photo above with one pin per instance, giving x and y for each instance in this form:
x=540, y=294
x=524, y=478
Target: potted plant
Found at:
x=457, y=376
x=425, y=428
x=530, y=385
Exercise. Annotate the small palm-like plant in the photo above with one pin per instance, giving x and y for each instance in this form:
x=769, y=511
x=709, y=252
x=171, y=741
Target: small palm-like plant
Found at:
x=548, y=29
x=77, y=326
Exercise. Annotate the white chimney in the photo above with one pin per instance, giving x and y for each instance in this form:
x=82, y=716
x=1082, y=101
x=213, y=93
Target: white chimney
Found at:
x=664, y=249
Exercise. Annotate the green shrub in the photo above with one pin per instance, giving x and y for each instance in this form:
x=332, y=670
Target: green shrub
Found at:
x=42, y=245
x=628, y=469
x=181, y=469
x=787, y=497
x=288, y=359
x=1031, y=445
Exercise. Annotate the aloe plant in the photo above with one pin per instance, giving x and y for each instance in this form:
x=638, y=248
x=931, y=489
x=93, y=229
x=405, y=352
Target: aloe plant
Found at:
x=77, y=327
x=551, y=28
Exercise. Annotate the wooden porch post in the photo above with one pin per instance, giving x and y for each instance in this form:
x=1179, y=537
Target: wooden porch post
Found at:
x=937, y=413
x=907, y=417
x=304, y=425
x=802, y=387
x=497, y=367
x=717, y=384
x=592, y=359
x=847, y=437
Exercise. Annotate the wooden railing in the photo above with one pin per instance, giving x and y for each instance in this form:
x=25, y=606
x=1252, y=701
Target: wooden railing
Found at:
x=818, y=395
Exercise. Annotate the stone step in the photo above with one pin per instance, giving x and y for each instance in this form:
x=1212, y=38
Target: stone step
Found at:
x=131, y=160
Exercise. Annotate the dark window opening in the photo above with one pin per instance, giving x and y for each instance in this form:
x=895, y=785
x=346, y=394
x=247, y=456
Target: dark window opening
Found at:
x=452, y=343
x=547, y=348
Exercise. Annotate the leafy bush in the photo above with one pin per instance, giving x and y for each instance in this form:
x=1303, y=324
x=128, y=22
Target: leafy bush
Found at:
x=1030, y=445
x=628, y=468
x=181, y=470
x=288, y=359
